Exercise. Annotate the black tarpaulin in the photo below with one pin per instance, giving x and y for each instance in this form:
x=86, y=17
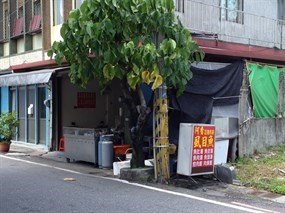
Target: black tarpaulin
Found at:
x=205, y=89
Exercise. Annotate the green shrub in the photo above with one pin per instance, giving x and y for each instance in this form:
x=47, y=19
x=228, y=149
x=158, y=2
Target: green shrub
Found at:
x=8, y=124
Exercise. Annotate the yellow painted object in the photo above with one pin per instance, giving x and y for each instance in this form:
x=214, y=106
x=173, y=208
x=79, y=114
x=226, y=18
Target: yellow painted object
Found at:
x=172, y=149
x=69, y=179
x=161, y=140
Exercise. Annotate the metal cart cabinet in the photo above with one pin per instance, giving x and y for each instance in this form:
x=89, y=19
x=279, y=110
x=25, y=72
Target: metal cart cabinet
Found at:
x=80, y=144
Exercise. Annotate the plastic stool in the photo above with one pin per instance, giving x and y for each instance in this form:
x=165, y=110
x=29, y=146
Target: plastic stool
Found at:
x=61, y=144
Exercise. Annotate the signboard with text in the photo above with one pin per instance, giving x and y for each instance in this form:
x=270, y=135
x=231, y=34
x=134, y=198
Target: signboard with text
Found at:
x=86, y=100
x=196, y=149
x=202, y=150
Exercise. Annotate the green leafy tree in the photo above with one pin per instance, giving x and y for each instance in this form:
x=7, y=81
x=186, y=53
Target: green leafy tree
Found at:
x=136, y=41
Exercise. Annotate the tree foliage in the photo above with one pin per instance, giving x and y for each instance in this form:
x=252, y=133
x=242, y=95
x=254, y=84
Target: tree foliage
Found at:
x=136, y=41
x=107, y=39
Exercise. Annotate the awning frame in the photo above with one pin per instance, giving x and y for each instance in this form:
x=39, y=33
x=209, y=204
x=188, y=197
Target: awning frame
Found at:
x=28, y=78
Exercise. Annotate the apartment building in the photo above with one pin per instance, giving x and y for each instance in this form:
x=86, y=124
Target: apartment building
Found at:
x=237, y=31
x=37, y=88
x=27, y=30
x=228, y=30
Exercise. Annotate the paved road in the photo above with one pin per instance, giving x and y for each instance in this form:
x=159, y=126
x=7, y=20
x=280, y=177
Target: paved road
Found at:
x=29, y=188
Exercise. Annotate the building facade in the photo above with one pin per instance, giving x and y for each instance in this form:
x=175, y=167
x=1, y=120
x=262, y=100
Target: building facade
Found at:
x=36, y=86
x=248, y=29
x=242, y=30
x=40, y=91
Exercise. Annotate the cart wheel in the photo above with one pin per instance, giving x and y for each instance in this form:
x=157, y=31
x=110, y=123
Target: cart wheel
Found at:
x=68, y=160
x=234, y=150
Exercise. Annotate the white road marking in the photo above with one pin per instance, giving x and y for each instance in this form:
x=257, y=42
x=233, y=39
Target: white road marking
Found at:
x=41, y=164
x=253, y=207
x=246, y=209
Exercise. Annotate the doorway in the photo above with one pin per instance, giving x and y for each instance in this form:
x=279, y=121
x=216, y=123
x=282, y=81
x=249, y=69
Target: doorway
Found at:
x=28, y=102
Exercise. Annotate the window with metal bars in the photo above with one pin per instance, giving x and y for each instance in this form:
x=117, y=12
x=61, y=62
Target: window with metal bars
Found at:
x=179, y=5
x=20, y=9
x=35, y=23
x=281, y=11
x=57, y=12
x=232, y=10
x=37, y=7
x=78, y=3
x=6, y=23
x=18, y=26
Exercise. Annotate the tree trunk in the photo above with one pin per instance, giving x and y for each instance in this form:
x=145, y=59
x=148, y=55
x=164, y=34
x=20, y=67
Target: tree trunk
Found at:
x=138, y=119
x=137, y=138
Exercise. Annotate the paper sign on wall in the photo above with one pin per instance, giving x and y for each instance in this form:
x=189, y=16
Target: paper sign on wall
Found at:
x=86, y=100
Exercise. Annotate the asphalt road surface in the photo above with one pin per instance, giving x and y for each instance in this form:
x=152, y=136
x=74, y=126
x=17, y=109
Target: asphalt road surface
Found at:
x=30, y=187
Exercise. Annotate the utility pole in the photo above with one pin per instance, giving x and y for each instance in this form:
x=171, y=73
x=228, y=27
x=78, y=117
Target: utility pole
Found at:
x=243, y=114
x=160, y=127
x=160, y=135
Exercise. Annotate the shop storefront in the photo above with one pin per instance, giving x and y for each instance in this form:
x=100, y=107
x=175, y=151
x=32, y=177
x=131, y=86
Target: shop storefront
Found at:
x=85, y=108
x=28, y=94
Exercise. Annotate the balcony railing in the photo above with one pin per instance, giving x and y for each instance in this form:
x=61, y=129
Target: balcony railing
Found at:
x=208, y=20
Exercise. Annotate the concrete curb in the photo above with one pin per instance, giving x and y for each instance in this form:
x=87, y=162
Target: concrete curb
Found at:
x=137, y=174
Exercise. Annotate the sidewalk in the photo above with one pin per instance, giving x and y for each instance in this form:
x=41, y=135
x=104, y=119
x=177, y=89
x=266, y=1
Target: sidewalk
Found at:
x=18, y=149
x=55, y=158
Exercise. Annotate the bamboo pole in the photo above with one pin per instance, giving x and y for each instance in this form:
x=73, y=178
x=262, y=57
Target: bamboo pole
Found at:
x=161, y=143
x=280, y=95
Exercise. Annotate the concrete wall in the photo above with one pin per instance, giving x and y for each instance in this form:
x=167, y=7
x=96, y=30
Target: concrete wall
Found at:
x=21, y=45
x=37, y=41
x=55, y=33
x=107, y=106
x=6, y=49
x=259, y=134
x=6, y=62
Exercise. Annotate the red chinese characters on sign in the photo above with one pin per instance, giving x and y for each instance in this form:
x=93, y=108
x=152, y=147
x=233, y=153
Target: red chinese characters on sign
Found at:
x=203, y=149
x=86, y=100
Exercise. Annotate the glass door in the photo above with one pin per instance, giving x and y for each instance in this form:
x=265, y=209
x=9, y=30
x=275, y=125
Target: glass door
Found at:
x=31, y=110
x=21, y=114
x=42, y=115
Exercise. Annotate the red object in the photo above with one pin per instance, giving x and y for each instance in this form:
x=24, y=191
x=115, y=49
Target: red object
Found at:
x=203, y=149
x=18, y=26
x=35, y=65
x=86, y=100
x=61, y=144
x=216, y=47
x=35, y=24
x=122, y=149
x=4, y=147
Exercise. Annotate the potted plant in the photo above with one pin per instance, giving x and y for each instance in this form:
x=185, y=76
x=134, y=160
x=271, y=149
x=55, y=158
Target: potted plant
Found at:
x=8, y=124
